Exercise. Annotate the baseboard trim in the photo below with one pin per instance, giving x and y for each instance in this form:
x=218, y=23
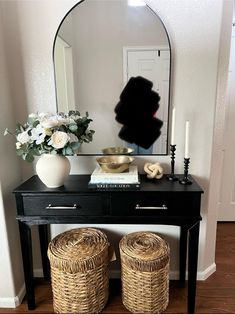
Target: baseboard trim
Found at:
x=203, y=275
x=15, y=301
x=174, y=275
x=38, y=272
x=114, y=274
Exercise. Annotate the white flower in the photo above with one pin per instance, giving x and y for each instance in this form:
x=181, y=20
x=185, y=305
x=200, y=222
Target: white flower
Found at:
x=71, y=121
x=33, y=115
x=48, y=123
x=63, y=121
x=38, y=134
x=18, y=145
x=53, y=121
x=53, y=133
x=74, y=118
x=23, y=137
x=44, y=114
x=72, y=138
x=59, y=139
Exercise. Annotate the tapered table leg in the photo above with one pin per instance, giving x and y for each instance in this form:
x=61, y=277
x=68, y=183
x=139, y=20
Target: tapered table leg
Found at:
x=192, y=266
x=27, y=256
x=183, y=253
x=44, y=241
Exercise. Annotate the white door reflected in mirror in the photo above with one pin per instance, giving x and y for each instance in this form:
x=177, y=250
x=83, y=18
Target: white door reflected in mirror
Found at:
x=151, y=63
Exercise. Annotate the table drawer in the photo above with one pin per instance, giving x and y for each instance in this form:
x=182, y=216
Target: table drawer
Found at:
x=180, y=204
x=67, y=205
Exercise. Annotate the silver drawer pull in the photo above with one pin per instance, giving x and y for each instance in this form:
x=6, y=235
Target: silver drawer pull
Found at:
x=137, y=206
x=74, y=206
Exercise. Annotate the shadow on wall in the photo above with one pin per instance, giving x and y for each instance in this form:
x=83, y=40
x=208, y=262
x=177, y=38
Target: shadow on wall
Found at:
x=13, y=95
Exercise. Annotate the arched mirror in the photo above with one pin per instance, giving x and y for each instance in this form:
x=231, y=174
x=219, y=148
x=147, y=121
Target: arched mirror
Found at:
x=98, y=47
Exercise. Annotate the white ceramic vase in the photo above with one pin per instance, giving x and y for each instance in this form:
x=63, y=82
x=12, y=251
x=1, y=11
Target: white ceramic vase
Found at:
x=53, y=170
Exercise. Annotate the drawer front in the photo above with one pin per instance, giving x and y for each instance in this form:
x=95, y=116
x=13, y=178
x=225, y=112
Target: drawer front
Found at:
x=64, y=205
x=156, y=204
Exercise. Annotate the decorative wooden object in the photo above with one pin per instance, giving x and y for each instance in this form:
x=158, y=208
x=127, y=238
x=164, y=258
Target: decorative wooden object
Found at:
x=172, y=176
x=154, y=171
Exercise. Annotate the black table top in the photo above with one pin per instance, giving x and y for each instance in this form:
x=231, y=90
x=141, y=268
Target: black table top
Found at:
x=79, y=183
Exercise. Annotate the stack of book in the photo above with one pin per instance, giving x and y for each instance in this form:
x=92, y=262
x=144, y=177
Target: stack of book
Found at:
x=125, y=180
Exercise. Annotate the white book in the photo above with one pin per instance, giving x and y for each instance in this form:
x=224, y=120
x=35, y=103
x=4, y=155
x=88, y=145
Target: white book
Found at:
x=99, y=176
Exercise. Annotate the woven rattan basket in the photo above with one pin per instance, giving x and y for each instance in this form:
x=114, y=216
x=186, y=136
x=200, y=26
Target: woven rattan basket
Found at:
x=144, y=272
x=79, y=272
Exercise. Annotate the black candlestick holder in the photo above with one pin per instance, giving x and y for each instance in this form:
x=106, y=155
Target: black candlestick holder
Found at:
x=186, y=180
x=172, y=177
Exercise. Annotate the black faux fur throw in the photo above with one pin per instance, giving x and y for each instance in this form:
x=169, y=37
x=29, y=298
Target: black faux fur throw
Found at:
x=135, y=110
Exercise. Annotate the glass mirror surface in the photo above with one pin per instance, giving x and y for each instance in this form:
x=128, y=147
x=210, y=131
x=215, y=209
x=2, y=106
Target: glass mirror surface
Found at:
x=98, y=47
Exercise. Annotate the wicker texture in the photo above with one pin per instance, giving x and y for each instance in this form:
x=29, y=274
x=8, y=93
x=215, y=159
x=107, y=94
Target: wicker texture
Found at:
x=79, y=272
x=144, y=272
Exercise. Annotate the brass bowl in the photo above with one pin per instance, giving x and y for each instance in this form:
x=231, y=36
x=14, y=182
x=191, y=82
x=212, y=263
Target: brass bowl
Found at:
x=117, y=151
x=114, y=164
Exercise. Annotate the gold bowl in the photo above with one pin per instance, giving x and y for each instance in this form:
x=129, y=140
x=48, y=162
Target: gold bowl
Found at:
x=114, y=164
x=117, y=150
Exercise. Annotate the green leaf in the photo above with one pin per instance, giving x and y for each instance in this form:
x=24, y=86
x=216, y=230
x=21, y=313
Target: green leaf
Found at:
x=69, y=151
x=35, y=151
x=74, y=113
x=19, y=128
x=84, y=119
x=35, y=123
x=19, y=152
x=62, y=114
x=47, y=148
x=73, y=127
x=75, y=147
x=62, y=128
x=29, y=157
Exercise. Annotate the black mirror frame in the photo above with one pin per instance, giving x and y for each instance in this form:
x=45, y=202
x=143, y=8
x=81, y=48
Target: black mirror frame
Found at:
x=170, y=78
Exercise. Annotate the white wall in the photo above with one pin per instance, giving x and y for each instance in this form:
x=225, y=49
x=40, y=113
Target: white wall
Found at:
x=11, y=276
x=194, y=28
x=219, y=125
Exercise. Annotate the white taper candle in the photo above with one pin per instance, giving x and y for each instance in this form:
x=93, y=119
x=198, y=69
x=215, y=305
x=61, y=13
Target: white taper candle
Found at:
x=186, y=154
x=173, y=127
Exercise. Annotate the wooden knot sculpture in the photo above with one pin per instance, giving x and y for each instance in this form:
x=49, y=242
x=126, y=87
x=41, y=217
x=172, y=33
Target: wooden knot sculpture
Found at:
x=153, y=170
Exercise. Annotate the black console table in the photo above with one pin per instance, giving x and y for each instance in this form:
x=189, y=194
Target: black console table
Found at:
x=156, y=202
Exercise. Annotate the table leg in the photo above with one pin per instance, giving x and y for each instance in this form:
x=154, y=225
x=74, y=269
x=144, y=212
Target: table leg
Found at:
x=183, y=253
x=192, y=266
x=27, y=256
x=44, y=241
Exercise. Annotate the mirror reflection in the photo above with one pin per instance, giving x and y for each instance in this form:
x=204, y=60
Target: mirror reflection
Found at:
x=99, y=47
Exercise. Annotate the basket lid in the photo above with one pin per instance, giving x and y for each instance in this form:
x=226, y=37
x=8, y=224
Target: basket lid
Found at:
x=78, y=250
x=144, y=251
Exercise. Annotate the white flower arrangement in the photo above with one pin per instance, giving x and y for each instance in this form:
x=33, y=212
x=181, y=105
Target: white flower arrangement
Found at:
x=46, y=133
